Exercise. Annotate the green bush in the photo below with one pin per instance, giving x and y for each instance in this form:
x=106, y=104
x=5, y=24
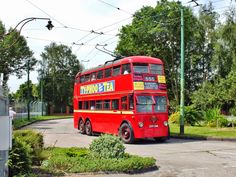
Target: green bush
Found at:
x=233, y=111
x=174, y=118
x=192, y=116
x=213, y=118
x=34, y=140
x=107, y=146
x=19, y=157
x=79, y=160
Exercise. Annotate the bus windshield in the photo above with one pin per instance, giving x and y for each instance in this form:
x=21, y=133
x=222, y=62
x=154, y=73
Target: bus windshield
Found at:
x=144, y=103
x=147, y=104
x=161, y=104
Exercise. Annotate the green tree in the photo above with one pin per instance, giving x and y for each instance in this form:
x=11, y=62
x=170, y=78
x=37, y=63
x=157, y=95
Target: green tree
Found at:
x=22, y=93
x=219, y=91
x=59, y=68
x=155, y=31
x=14, y=54
x=224, y=59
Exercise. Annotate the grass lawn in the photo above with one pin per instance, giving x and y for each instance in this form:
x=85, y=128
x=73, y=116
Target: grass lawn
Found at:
x=79, y=160
x=18, y=123
x=204, y=131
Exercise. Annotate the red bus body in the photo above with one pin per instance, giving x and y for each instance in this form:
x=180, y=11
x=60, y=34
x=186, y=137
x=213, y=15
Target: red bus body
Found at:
x=137, y=100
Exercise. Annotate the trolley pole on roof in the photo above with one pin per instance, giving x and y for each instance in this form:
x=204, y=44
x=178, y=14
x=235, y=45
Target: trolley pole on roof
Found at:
x=182, y=75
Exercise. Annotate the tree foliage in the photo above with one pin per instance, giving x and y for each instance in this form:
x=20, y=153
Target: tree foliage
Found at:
x=58, y=69
x=14, y=54
x=22, y=93
x=209, y=50
x=155, y=31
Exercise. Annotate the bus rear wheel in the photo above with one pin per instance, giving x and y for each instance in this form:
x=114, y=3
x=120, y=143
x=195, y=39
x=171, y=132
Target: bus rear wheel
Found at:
x=126, y=133
x=81, y=127
x=88, y=128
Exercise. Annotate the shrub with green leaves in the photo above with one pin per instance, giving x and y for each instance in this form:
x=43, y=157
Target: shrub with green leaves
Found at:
x=233, y=111
x=214, y=118
x=34, y=140
x=174, y=118
x=19, y=157
x=107, y=146
x=80, y=160
x=192, y=116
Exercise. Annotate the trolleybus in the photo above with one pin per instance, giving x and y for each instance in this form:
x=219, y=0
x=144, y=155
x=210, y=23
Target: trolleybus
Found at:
x=126, y=97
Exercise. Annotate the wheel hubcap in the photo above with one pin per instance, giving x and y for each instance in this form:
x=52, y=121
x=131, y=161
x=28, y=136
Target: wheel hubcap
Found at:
x=126, y=133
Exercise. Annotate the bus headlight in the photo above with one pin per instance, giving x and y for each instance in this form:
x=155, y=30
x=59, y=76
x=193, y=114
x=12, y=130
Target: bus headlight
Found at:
x=166, y=123
x=140, y=124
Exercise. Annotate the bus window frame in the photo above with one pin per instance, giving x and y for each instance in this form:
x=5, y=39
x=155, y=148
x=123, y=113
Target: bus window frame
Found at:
x=113, y=68
x=157, y=70
x=82, y=78
x=108, y=104
x=102, y=72
x=93, y=76
x=126, y=102
x=96, y=104
x=123, y=70
x=117, y=105
x=110, y=73
x=166, y=105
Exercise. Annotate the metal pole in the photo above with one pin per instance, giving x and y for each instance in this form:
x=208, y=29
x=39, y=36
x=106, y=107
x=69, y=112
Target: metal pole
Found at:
x=28, y=91
x=182, y=75
x=41, y=96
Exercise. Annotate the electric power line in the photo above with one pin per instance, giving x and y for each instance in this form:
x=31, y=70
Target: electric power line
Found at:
x=45, y=12
x=115, y=7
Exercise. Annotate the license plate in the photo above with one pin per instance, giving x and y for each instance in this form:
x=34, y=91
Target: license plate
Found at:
x=153, y=126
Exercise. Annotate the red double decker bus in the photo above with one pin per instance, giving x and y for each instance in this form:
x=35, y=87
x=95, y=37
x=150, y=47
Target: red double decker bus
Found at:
x=125, y=97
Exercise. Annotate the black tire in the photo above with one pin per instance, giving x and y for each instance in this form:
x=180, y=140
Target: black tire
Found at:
x=81, y=127
x=126, y=133
x=88, y=128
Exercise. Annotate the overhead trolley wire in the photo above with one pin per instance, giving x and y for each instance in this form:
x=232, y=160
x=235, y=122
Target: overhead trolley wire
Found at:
x=115, y=7
x=51, y=17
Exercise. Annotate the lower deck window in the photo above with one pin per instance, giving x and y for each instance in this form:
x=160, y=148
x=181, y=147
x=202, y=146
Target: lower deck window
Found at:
x=106, y=105
x=115, y=104
x=98, y=105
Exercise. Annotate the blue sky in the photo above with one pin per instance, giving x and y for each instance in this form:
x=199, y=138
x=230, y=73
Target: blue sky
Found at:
x=79, y=17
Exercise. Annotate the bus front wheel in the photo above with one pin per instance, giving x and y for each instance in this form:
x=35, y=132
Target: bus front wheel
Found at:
x=81, y=127
x=88, y=128
x=126, y=133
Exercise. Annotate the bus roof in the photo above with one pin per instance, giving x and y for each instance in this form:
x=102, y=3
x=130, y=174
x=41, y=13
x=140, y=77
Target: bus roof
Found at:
x=115, y=62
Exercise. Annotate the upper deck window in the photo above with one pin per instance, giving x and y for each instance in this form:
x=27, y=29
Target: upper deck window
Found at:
x=126, y=69
x=100, y=74
x=140, y=67
x=82, y=79
x=116, y=70
x=93, y=76
x=87, y=78
x=108, y=72
x=156, y=69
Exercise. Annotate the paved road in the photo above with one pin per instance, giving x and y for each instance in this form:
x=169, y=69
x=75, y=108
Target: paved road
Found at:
x=175, y=158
